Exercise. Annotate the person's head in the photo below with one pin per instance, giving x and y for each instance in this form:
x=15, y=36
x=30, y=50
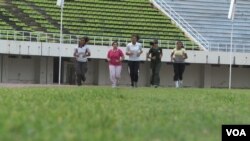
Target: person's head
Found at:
x=83, y=41
x=135, y=38
x=179, y=45
x=115, y=44
x=154, y=43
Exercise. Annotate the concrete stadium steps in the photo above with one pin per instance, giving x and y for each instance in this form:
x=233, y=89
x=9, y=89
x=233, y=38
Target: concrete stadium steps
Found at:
x=210, y=19
x=107, y=18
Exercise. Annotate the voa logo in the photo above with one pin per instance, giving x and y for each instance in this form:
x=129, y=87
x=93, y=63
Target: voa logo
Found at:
x=236, y=132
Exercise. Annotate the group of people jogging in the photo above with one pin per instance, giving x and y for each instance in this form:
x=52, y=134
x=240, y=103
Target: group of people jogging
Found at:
x=115, y=57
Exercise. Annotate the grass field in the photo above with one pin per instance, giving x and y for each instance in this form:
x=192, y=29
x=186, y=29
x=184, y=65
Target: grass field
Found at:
x=124, y=114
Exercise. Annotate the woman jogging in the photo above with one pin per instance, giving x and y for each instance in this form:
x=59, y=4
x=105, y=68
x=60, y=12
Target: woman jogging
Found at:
x=81, y=53
x=178, y=57
x=115, y=58
x=155, y=55
x=134, y=50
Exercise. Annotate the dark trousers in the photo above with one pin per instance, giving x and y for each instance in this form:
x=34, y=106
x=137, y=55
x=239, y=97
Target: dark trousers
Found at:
x=155, y=77
x=81, y=69
x=178, y=71
x=133, y=69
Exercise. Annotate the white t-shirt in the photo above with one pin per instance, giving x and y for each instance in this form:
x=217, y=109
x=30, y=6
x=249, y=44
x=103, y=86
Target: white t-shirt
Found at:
x=82, y=53
x=135, y=49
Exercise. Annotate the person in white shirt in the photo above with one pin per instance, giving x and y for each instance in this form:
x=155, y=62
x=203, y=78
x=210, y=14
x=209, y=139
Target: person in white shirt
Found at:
x=134, y=50
x=81, y=54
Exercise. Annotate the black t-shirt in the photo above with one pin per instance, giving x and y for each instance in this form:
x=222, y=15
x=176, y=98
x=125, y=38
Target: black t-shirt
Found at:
x=156, y=52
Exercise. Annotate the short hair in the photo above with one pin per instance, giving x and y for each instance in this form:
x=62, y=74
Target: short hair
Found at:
x=155, y=41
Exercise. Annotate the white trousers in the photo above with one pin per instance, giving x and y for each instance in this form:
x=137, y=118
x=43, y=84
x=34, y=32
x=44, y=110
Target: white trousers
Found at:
x=115, y=73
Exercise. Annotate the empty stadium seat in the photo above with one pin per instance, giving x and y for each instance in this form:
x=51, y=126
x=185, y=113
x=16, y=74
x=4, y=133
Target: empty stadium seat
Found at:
x=209, y=18
x=108, y=18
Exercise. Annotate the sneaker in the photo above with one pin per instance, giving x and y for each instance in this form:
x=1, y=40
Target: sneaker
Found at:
x=132, y=85
x=176, y=84
x=180, y=84
x=83, y=78
x=135, y=84
x=156, y=86
x=113, y=86
x=117, y=83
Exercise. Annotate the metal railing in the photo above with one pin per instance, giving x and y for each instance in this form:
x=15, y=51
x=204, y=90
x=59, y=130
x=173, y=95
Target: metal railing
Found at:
x=73, y=39
x=181, y=22
x=225, y=47
x=107, y=41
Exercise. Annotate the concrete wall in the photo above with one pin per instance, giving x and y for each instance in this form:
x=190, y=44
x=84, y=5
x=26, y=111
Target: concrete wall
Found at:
x=19, y=69
x=205, y=69
x=45, y=71
x=100, y=52
x=240, y=76
x=196, y=75
x=1, y=67
x=40, y=70
x=199, y=75
x=26, y=69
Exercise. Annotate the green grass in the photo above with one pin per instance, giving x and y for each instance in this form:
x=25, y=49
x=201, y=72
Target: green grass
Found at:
x=124, y=114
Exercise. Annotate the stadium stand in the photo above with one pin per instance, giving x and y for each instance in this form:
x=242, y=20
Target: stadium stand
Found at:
x=209, y=18
x=95, y=18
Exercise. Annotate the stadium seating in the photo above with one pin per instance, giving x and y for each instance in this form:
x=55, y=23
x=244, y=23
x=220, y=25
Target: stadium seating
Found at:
x=101, y=18
x=209, y=17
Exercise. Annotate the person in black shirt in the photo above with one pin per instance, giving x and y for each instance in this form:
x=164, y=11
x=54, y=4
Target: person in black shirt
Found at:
x=155, y=55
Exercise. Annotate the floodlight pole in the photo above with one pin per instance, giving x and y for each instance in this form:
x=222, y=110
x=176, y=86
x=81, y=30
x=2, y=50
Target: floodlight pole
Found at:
x=231, y=53
x=61, y=41
x=231, y=15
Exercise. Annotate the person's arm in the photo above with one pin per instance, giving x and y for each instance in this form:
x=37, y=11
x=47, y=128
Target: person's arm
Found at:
x=88, y=53
x=161, y=53
x=140, y=51
x=122, y=58
x=128, y=52
x=185, y=54
x=172, y=56
x=75, y=53
x=108, y=57
x=148, y=54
